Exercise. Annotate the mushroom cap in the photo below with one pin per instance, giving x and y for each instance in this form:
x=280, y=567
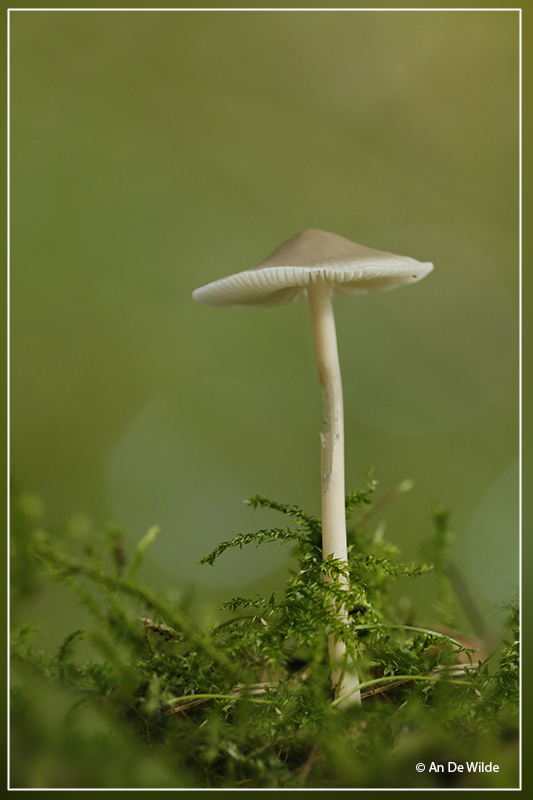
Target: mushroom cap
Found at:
x=283, y=277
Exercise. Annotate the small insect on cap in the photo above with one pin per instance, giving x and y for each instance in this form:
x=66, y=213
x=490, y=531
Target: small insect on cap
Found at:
x=349, y=268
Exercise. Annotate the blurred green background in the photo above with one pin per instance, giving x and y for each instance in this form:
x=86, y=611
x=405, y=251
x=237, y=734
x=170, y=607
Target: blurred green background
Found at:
x=152, y=152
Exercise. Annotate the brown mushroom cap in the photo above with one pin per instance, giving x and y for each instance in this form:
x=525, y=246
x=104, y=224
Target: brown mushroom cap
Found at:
x=282, y=277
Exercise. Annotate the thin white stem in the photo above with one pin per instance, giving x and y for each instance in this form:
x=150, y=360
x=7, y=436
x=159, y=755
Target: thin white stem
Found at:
x=332, y=463
x=332, y=434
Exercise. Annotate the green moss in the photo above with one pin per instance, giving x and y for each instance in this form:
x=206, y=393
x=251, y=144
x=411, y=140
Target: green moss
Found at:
x=247, y=702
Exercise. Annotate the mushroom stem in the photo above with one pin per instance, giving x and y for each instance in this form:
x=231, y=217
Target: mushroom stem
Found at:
x=332, y=434
x=332, y=463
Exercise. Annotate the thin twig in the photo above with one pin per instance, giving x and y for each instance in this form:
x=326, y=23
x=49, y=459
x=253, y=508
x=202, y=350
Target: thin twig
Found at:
x=403, y=679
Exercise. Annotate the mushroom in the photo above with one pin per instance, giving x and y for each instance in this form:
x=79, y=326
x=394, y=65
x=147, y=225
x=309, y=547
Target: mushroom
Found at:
x=320, y=264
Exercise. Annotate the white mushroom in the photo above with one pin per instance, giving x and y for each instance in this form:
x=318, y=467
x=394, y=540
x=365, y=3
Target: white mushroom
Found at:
x=320, y=264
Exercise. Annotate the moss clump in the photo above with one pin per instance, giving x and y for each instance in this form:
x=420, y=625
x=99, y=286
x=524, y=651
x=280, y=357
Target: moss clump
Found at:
x=247, y=703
